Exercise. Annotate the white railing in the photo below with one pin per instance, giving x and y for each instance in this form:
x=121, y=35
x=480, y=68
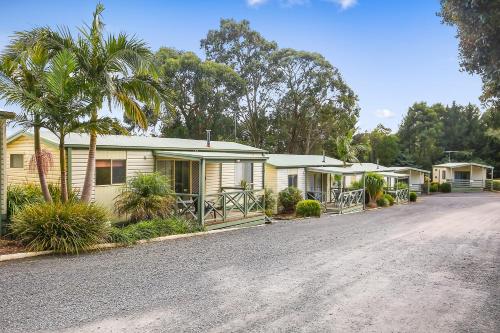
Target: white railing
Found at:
x=466, y=183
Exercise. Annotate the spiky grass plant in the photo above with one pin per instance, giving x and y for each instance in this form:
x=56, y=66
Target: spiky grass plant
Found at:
x=64, y=228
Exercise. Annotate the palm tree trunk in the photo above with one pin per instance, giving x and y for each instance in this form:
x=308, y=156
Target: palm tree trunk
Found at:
x=64, y=172
x=39, y=166
x=88, y=184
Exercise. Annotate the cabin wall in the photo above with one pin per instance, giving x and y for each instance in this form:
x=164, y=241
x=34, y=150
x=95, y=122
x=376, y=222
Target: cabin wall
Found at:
x=271, y=178
x=212, y=178
x=25, y=145
x=257, y=176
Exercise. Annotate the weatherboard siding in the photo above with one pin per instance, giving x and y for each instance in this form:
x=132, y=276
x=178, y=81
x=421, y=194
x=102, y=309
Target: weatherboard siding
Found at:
x=25, y=145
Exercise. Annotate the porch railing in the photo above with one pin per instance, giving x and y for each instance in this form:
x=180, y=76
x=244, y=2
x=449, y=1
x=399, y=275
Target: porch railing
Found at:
x=347, y=200
x=318, y=196
x=400, y=195
x=233, y=205
x=466, y=183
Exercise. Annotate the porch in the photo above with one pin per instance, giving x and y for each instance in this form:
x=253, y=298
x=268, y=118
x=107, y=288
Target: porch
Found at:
x=217, y=189
x=397, y=185
x=328, y=185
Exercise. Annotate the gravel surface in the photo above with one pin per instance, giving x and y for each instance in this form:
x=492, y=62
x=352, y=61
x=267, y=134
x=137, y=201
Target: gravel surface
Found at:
x=433, y=266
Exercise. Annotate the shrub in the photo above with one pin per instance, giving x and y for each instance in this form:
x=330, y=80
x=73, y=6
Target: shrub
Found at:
x=146, y=196
x=401, y=186
x=374, y=185
x=288, y=199
x=413, y=196
x=64, y=228
x=434, y=187
x=382, y=202
x=356, y=185
x=445, y=187
x=496, y=185
x=21, y=195
x=269, y=202
x=306, y=208
x=151, y=229
x=389, y=198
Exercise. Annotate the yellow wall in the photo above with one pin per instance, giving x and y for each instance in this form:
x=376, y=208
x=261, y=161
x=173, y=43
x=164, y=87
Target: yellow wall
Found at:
x=25, y=145
x=271, y=180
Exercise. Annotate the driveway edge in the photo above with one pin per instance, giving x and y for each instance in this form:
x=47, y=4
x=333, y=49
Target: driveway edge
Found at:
x=22, y=255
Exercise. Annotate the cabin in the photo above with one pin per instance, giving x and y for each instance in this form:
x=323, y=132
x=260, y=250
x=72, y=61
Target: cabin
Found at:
x=215, y=182
x=285, y=170
x=463, y=176
x=416, y=178
x=4, y=117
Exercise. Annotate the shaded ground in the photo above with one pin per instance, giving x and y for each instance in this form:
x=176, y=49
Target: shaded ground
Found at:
x=8, y=246
x=427, y=267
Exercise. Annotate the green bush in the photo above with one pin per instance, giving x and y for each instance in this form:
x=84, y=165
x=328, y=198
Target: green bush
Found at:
x=374, y=185
x=445, y=187
x=496, y=185
x=20, y=195
x=146, y=196
x=389, y=198
x=151, y=229
x=24, y=194
x=64, y=228
x=269, y=202
x=382, y=202
x=288, y=199
x=356, y=185
x=306, y=208
x=413, y=196
x=434, y=187
x=402, y=186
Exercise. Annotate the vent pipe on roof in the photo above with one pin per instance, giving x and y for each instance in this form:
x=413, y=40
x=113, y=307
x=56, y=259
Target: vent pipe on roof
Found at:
x=324, y=157
x=208, y=138
x=377, y=164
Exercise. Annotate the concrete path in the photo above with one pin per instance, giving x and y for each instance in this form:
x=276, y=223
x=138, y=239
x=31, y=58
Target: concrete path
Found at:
x=433, y=266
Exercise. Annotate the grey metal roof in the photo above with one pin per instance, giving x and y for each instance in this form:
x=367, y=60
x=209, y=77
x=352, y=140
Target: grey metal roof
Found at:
x=355, y=168
x=393, y=174
x=405, y=168
x=297, y=161
x=210, y=155
x=461, y=164
x=144, y=142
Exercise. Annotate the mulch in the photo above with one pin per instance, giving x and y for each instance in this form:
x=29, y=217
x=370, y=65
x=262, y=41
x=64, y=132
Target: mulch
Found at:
x=8, y=246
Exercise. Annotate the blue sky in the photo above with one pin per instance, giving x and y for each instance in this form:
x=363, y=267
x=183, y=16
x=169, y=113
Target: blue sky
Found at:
x=391, y=52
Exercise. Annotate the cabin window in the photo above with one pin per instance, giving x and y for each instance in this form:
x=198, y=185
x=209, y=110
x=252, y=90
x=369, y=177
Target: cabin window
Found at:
x=108, y=172
x=243, y=173
x=17, y=161
x=443, y=174
x=292, y=181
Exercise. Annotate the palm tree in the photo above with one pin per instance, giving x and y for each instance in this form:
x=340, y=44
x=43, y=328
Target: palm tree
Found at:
x=347, y=151
x=115, y=70
x=21, y=67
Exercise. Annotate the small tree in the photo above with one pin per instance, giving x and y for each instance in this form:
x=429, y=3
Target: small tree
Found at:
x=374, y=184
x=146, y=196
x=288, y=199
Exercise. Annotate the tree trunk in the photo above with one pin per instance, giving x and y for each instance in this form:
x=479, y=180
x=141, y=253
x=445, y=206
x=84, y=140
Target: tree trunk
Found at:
x=88, y=184
x=64, y=172
x=39, y=166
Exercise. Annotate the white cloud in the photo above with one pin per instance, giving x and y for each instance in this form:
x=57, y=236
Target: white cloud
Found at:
x=345, y=4
x=255, y=3
x=384, y=113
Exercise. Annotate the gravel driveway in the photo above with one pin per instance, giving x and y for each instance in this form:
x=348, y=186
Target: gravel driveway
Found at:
x=433, y=266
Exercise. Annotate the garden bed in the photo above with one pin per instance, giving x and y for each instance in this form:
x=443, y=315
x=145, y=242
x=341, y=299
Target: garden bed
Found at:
x=8, y=246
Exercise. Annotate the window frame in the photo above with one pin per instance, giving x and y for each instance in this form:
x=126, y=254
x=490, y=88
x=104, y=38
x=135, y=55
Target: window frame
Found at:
x=295, y=180
x=11, y=160
x=111, y=171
